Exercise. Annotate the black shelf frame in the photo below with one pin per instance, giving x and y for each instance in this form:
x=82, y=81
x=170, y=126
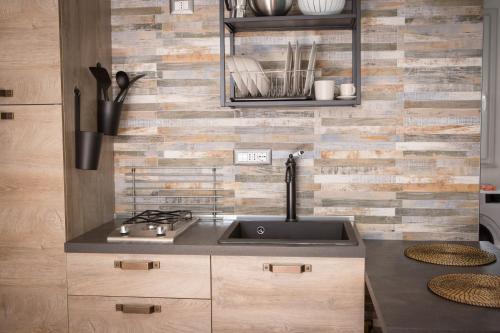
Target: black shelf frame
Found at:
x=350, y=20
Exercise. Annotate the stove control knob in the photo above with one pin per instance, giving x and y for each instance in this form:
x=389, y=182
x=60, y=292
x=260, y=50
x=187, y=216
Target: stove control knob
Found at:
x=124, y=230
x=160, y=230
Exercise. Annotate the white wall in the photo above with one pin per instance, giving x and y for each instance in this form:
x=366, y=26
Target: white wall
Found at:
x=490, y=174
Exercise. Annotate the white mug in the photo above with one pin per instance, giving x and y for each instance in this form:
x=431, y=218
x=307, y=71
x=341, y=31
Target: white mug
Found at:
x=324, y=90
x=347, y=89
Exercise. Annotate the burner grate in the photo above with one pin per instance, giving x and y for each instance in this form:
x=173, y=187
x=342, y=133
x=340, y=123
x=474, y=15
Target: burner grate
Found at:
x=160, y=217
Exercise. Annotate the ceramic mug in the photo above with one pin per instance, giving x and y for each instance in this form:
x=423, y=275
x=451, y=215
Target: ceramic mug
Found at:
x=347, y=89
x=324, y=90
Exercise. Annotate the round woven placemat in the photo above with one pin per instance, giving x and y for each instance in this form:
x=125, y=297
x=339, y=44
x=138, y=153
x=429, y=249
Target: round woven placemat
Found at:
x=450, y=254
x=472, y=289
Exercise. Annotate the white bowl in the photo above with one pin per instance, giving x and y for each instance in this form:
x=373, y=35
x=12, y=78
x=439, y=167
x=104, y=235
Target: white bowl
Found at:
x=321, y=7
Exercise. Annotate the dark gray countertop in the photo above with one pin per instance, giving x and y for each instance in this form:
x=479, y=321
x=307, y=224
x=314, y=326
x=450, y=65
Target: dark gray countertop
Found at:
x=199, y=239
x=398, y=287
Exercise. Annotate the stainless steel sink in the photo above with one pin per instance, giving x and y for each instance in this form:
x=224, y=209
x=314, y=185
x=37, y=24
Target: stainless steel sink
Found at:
x=306, y=232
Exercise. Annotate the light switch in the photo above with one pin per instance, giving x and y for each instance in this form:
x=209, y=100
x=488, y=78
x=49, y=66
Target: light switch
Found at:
x=252, y=156
x=181, y=7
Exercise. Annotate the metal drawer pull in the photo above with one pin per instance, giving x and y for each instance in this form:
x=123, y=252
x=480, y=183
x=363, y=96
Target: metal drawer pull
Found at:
x=138, y=308
x=287, y=268
x=6, y=93
x=137, y=265
x=7, y=115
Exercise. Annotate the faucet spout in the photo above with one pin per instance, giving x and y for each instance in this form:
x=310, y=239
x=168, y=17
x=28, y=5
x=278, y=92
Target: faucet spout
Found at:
x=291, y=190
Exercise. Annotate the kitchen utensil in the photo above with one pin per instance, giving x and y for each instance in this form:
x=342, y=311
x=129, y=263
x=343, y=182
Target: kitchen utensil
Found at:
x=324, y=90
x=321, y=7
x=123, y=81
x=87, y=144
x=310, y=70
x=134, y=79
x=236, y=76
x=231, y=7
x=102, y=77
x=347, y=89
x=296, y=69
x=270, y=7
x=288, y=69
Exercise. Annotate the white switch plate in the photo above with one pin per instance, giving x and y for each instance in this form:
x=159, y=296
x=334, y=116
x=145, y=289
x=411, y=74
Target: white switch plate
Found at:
x=181, y=7
x=252, y=156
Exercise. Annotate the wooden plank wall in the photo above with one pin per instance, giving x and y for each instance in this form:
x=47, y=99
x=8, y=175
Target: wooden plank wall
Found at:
x=405, y=163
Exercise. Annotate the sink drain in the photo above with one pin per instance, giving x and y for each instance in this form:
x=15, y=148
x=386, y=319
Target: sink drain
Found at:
x=261, y=230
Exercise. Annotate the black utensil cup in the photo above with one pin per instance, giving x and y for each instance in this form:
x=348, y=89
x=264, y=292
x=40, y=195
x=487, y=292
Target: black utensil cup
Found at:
x=108, y=117
x=87, y=144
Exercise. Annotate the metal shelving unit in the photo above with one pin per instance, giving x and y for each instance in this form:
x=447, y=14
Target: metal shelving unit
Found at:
x=346, y=21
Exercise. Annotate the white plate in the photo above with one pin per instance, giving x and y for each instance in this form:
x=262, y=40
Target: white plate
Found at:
x=257, y=75
x=288, y=69
x=296, y=69
x=346, y=98
x=236, y=76
x=310, y=70
x=244, y=72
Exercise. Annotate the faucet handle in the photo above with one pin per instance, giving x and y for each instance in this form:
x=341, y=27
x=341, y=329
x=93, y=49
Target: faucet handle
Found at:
x=298, y=153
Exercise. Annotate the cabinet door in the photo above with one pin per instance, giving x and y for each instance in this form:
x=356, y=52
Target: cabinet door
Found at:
x=89, y=314
x=29, y=52
x=32, y=260
x=249, y=296
x=176, y=276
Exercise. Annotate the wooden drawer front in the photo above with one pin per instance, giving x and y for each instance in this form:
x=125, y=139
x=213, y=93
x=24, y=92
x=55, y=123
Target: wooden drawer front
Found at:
x=178, y=276
x=29, y=52
x=98, y=314
x=248, y=297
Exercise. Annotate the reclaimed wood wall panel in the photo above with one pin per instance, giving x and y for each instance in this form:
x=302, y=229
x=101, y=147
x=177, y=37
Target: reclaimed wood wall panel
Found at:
x=405, y=162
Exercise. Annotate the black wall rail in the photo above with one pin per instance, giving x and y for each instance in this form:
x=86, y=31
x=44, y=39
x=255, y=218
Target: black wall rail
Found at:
x=87, y=144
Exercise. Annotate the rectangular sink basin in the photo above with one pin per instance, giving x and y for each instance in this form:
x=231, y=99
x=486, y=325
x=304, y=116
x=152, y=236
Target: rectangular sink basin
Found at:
x=303, y=233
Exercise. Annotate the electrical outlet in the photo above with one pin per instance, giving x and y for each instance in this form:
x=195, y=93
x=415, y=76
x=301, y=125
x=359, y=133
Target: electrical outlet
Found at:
x=252, y=156
x=181, y=7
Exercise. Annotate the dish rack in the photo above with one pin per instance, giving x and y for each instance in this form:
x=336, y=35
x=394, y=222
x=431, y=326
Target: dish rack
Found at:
x=272, y=85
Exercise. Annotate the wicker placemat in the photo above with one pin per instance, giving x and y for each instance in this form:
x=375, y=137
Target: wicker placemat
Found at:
x=450, y=254
x=472, y=289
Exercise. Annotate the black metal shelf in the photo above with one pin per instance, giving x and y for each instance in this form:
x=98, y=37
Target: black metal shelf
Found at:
x=348, y=20
x=304, y=103
x=344, y=21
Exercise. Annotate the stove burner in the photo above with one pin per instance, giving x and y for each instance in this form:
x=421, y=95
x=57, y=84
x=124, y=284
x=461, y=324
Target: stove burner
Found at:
x=160, y=217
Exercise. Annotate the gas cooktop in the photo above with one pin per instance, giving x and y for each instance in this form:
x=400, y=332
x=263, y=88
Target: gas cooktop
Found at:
x=153, y=226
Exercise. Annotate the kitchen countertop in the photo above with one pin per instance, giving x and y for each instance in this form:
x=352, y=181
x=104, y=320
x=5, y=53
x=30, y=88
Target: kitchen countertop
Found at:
x=201, y=239
x=398, y=287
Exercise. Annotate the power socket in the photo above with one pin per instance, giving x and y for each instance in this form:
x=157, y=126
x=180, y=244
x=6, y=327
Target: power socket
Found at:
x=181, y=7
x=252, y=156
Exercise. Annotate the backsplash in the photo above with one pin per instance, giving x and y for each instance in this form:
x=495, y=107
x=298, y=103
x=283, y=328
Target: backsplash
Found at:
x=405, y=162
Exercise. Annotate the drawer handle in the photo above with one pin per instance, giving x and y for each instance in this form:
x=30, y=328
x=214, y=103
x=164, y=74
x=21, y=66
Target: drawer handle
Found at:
x=138, y=308
x=287, y=268
x=6, y=93
x=137, y=265
x=7, y=115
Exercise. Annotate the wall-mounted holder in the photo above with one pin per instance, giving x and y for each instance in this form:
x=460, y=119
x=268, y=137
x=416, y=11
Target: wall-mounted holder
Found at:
x=87, y=144
x=109, y=112
x=108, y=117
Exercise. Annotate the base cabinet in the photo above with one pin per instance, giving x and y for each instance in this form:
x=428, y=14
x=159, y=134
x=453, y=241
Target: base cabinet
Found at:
x=266, y=294
x=91, y=314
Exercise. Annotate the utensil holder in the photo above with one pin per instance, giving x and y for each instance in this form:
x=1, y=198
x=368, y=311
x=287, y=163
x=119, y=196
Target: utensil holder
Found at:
x=87, y=144
x=108, y=117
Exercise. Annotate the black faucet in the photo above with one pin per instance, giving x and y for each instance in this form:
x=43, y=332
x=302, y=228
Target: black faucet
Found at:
x=291, y=190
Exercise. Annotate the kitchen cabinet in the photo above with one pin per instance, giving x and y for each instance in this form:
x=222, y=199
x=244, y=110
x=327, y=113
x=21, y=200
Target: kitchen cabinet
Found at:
x=29, y=52
x=175, y=276
x=43, y=200
x=125, y=314
x=277, y=294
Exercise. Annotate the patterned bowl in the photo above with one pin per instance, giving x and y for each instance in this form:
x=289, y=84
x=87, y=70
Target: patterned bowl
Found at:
x=321, y=7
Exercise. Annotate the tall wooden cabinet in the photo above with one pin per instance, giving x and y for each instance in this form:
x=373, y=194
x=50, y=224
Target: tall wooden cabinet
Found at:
x=46, y=47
